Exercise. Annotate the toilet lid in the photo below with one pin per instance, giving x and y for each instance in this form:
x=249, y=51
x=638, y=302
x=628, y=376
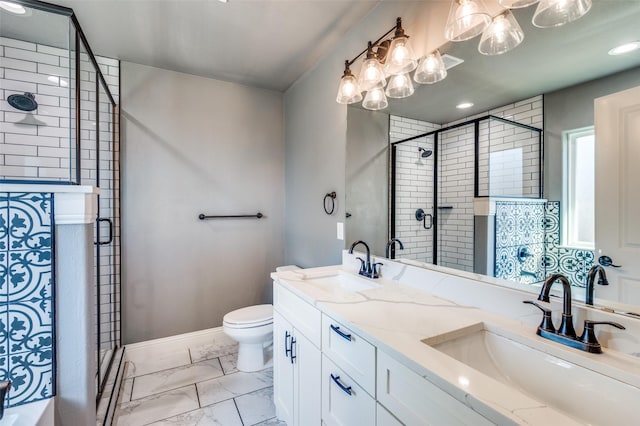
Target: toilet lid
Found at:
x=254, y=315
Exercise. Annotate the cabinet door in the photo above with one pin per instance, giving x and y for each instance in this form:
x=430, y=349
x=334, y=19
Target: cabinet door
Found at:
x=307, y=375
x=384, y=418
x=344, y=402
x=283, y=392
x=416, y=401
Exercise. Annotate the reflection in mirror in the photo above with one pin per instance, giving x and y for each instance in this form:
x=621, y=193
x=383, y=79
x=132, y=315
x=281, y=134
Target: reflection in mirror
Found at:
x=486, y=216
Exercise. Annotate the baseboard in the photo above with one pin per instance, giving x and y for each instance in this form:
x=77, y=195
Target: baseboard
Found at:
x=173, y=343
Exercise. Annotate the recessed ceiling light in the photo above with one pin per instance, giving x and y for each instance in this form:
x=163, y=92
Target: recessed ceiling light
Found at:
x=13, y=7
x=625, y=48
x=464, y=105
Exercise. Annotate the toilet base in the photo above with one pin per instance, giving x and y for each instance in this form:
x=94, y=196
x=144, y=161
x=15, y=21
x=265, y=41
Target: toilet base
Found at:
x=254, y=357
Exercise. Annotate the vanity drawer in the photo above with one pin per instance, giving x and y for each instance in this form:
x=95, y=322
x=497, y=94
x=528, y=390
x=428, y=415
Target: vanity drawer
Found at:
x=385, y=418
x=416, y=401
x=352, y=353
x=343, y=401
x=302, y=315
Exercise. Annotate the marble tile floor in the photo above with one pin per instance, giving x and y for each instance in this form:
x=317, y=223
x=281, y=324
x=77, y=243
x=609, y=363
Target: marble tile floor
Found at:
x=198, y=386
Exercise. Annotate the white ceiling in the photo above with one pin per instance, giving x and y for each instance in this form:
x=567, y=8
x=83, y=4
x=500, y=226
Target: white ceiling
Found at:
x=262, y=43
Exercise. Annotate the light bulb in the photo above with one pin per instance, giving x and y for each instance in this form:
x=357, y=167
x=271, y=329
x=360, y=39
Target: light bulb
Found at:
x=467, y=19
x=348, y=91
x=553, y=13
x=400, y=86
x=371, y=75
x=375, y=99
x=502, y=35
x=431, y=69
x=400, y=59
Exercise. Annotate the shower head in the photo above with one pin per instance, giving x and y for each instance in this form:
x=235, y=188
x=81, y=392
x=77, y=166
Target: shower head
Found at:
x=425, y=152
x=26, y=102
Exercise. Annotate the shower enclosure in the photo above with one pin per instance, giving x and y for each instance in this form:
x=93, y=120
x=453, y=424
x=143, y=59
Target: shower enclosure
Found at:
x=69, y=138
x=433, y=197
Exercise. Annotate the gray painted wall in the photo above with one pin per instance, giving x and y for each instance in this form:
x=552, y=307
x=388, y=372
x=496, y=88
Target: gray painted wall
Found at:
x=316, y=130
x=194, y=145
x=367, y=179
x=572, y=108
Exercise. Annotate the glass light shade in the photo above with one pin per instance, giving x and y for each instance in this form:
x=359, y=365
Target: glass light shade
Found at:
x=431, y=69
x=371, y=75
x=501, y=36
x=400, y=58
x=375, y=99
x=467, y=19
x=348, y=91
x=15, y=8
x=553, y=13
x=516, y=4
x=400, y=86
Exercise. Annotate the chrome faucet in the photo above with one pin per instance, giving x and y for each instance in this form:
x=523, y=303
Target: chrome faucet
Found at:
x=390, y=243
x=366, y=268
x=4, y=391
x=566, y=326
x=566, y=334
x=591, y=278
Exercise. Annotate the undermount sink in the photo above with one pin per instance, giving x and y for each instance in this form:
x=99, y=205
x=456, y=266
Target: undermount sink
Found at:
x=580, y=393
x=343, y=281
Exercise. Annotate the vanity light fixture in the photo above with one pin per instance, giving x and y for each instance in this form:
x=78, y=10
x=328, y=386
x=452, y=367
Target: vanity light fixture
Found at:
x=371, y=74
x=375, y=99
x=464, y=105
x=502, y=35
x=348, y=92
x=467, y=19
x=625, y=48
x=14, y=8
x=387, y=57
x=399, y=86
x=431, y=69
x=553, y=13
x=400, y=58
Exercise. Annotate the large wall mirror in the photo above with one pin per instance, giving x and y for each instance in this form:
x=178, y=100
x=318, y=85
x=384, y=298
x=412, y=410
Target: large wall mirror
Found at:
x=506, y=187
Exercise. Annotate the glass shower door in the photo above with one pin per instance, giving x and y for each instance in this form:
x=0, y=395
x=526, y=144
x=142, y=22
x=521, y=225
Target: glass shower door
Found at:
x=412, y=186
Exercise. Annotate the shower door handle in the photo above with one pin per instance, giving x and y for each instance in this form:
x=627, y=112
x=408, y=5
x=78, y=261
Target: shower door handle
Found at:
x=424, y=222
x=110, y=239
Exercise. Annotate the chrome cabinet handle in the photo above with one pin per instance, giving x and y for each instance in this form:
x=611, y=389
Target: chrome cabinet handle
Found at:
x=607, y=261
x=346, y=389
x=340, y=333
x=287, y=347
x=293, y=355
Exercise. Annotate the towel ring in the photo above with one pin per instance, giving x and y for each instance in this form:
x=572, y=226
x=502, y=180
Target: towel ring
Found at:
x=332, y=197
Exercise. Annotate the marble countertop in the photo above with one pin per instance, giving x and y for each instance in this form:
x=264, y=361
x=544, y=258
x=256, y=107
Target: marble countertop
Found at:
x=396, y=318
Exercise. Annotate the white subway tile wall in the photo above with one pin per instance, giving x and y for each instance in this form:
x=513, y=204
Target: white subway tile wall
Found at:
x=414, y=187
x=39, y=146
x=414, y=177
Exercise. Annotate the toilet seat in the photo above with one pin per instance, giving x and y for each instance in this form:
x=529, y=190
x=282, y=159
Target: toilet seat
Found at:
x=249, y=317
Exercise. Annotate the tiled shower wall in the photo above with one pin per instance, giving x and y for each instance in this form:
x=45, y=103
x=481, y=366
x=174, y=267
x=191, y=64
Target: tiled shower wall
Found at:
x=414, y=185
x=37, y=146
x=26, y=296
x=535, y=226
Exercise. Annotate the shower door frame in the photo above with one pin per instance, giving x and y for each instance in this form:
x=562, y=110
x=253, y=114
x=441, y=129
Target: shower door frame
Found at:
x=435, y=134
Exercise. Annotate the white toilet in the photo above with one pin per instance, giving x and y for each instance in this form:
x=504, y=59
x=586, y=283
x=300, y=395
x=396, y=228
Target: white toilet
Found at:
x=252, y=328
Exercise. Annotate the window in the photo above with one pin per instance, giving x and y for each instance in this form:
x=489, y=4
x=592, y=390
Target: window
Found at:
x=579, y=188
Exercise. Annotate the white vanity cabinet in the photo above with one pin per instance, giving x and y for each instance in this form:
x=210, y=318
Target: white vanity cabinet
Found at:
x=348, y=376
x=416, y=401
x=296, y=359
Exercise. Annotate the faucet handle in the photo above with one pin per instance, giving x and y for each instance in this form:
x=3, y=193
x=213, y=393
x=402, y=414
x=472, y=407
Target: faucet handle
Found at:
x=547, y=322
x=376, y=269
x=363, y=268
x=589, y=335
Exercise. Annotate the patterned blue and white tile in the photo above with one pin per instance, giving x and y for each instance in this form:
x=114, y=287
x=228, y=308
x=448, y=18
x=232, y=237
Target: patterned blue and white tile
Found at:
x=4, y=221
x=31, y=377
x=530, y=222
x=30, y=328
x=505, y=224
x=29, y=275
x=506, y=263
x=30, y=221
